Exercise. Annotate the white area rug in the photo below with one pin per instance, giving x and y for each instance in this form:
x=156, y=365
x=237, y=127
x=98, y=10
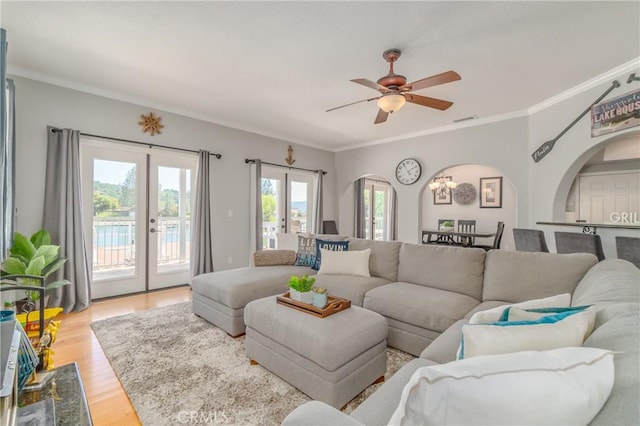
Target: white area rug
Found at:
x=174, y=366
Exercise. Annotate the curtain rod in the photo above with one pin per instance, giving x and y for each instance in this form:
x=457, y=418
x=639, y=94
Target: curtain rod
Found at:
x=253, y=160
x=150, y=145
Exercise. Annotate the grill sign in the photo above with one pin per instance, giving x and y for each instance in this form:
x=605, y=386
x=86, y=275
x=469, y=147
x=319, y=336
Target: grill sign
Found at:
x=616, y=114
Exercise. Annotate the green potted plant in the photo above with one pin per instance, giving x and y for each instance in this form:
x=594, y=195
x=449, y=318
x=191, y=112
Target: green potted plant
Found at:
x=300, y=288
x=35, y=259
x=446, y=225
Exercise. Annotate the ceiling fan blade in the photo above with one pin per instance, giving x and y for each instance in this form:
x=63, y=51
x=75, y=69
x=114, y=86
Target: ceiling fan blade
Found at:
x=352, y=103
x=381, y=117
x=428, y=102
x=434, y=80
x=370, y=84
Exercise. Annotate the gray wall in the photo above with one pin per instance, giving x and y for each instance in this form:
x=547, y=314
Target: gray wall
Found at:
x=39, y=104
x=492, y=145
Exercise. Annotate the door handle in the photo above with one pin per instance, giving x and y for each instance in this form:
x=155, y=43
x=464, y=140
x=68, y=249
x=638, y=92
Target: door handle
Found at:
x=152, y=230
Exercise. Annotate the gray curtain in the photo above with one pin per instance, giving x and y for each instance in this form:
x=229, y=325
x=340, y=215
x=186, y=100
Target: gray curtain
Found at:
x=393, y=215
x=7, y=171
x=62, y=217
x=318, y=208
x=201, y=230
x=256, y=193
x=359, y=209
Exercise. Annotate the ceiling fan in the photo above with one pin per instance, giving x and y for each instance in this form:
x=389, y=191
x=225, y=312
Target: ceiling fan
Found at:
x=395, y=92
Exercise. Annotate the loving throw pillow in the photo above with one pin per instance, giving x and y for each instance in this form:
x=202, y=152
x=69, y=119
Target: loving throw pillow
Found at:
x=327, y=245
x=564, y=328
x=562, y=386
x=345, y=262
x=306, y=255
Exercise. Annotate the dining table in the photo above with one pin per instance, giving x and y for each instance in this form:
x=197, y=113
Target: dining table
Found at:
x=465, y=239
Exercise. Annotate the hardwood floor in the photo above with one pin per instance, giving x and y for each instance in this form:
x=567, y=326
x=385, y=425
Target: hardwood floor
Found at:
x=76, y=342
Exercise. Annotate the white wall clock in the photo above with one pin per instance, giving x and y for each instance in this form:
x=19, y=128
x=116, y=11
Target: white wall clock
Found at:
x=408, y=171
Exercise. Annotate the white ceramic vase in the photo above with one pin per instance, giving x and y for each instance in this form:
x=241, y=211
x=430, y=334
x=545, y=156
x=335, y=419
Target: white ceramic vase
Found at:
x=306, y=297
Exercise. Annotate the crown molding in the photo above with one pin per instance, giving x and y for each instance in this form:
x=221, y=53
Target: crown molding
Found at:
x=73, y=85
x=606, y=77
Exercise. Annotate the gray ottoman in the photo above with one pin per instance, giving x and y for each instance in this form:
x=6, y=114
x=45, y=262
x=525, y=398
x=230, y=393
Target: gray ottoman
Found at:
x=330, y=359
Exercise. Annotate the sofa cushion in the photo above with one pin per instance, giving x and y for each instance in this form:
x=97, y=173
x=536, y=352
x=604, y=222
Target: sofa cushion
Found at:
x=384, y=258
x=237, y=287
x=622, y=335
x=415, y=304
x=562, y=386
x=349, y=286
x=518, y=276
x=559, y=330
x=447, y=268
x=345, y=262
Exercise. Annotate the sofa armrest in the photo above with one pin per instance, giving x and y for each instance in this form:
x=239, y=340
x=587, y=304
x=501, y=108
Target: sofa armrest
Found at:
x=445, y=347
x=318, y=414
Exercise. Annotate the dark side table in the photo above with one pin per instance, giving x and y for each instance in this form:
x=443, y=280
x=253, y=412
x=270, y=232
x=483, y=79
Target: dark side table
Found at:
x=67, y=392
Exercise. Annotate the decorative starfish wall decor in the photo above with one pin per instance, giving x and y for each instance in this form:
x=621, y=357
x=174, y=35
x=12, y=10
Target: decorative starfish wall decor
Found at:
x=150, y=124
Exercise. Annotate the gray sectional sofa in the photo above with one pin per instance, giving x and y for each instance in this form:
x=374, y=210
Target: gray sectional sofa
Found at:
x=427, y=293
x=613, y=286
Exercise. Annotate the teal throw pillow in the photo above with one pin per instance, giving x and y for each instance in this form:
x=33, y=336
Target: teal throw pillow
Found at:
x=306, y=255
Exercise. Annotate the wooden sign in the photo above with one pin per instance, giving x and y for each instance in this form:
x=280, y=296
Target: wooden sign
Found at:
x=616, y=114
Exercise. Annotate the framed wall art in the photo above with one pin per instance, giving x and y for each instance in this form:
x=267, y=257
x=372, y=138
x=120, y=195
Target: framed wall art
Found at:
x=491, y=192
x=442, y=194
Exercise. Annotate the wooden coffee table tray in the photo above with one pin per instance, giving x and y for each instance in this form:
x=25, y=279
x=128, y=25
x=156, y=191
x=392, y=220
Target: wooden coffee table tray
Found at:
x=334, y=304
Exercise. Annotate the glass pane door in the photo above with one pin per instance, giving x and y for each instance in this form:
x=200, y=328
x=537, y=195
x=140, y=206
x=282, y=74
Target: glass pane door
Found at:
x=376, y=210
x=115, y=207
x=287, y=202
x=170, y=202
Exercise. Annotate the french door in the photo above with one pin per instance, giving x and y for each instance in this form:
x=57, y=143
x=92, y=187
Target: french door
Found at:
x=137, y=215
x=287, y=203
x=377, y=207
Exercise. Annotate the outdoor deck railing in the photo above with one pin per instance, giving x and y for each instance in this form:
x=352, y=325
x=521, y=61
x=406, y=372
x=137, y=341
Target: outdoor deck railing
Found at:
x=114, y=241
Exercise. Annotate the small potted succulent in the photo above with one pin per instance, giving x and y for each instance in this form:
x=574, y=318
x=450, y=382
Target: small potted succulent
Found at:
x=300, y=288
x=320, y=297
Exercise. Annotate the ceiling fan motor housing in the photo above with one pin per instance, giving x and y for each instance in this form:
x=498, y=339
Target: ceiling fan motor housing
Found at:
x=392, y=81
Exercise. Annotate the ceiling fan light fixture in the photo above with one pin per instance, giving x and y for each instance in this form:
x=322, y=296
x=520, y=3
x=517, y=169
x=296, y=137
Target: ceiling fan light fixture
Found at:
x=391, y=102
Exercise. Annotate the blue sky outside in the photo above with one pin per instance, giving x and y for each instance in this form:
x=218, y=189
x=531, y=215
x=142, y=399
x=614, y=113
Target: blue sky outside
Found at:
x=115, y=172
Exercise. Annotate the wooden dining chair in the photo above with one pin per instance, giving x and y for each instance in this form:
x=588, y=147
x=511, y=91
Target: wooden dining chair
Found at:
x=573, y=242
x=444, y=239
x=466, y=226
x=628, y=248
x=530, y=240
x=497, y=240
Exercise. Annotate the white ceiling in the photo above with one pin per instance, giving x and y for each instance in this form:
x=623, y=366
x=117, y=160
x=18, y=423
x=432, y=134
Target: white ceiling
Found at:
x=275, y=67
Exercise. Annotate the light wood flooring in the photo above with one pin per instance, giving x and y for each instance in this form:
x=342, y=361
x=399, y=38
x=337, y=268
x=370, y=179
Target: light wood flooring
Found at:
x=76, y=342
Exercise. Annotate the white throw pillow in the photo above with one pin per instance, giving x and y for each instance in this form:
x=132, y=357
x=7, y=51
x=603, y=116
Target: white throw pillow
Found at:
x=345, y=262
x=493, y=314
x=560, y=387
x=549, y=332
x=286, y=241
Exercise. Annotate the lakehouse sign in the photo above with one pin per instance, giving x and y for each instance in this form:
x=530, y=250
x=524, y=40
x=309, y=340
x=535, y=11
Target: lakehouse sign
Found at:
x=616, y=114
